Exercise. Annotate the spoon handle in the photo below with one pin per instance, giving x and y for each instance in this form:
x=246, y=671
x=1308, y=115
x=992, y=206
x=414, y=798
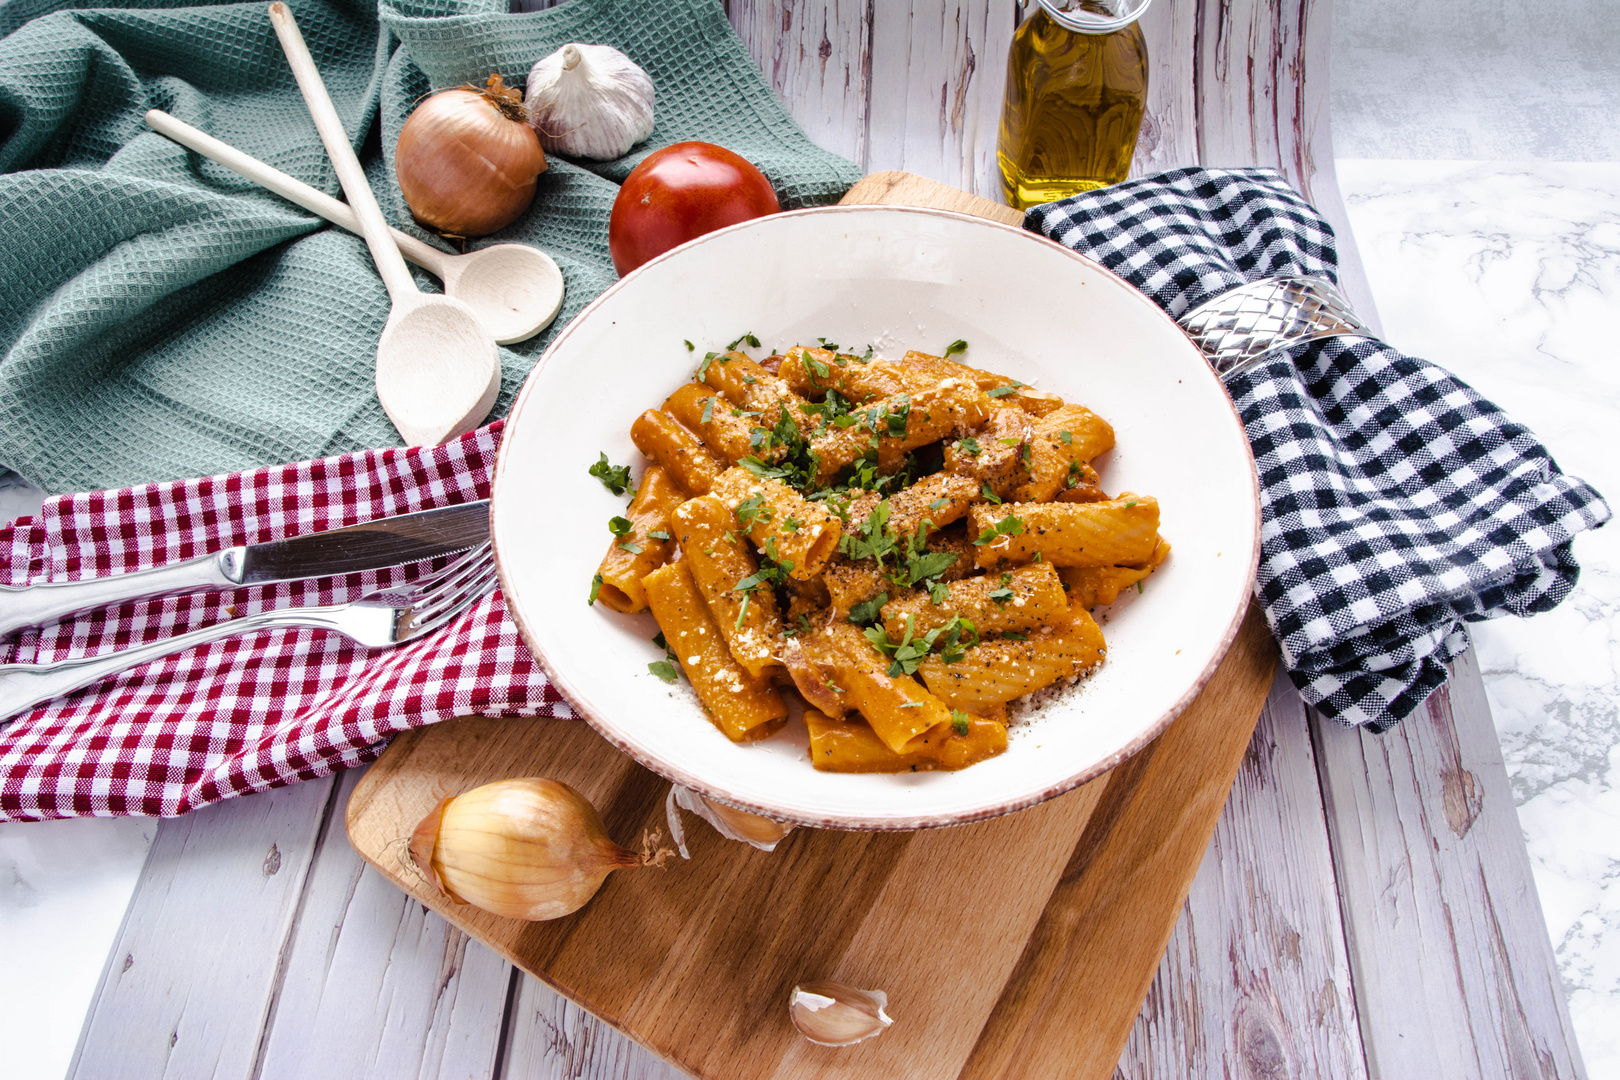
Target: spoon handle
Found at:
x=293, y=190
x=390, y=265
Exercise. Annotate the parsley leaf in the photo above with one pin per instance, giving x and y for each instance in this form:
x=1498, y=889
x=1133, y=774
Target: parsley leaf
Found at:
x=817, y=368
x=1009, y=388
x=830, y=346
x=615, y=478
x=873, y=539
x=938, y=592
x=1066, y=437
x=596, y=590
x=753, y=509
x=689, y=346
x=632, y=548
x=990, y=495
x=708, y=411
x=619, y=526
x=664, y=670
x=753, y=342
x=1003, y=594
x=1007, y=526
x=703, y=368
x=959, y=721
x=863, y=613
x=968, y=446
x=658, y=534
x=897, y=417
x=957, y=346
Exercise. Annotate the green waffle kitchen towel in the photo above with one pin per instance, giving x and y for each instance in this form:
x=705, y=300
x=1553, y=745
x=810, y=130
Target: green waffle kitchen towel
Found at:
x=161, y=317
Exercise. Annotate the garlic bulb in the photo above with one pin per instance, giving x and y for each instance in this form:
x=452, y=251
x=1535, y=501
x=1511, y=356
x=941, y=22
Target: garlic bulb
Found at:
x=527, y=849
x=833, y=1014
x=589, y=101
x=733, y=824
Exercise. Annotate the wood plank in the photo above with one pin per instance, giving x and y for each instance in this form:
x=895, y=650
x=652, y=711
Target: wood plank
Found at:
x=1169, y=135
x=1071, y=1003
x=374, y=984
x=1256, y=981
x=194, y=971
x=814, y=52
x=938, y=70
x=1455, y=975
x=908, y=189
x=551, y=1037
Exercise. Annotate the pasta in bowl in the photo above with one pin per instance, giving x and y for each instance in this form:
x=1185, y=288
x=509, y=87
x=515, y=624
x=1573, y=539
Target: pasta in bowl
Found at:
x=914, y=542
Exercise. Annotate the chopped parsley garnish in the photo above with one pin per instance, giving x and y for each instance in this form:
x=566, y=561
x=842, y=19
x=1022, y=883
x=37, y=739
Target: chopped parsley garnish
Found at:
x=1010, y=388
x=753, y=509
x=867, y=611
x=939, y=504
x=1074, y=474
x=770, y=573
x=596, y=590
x=708, y=411
x=990, y=495
x=689, y=346
x=753, y=342
x=1066, y=437
x=795, y=631
x=616, y=478
x=957, y=346
x=830, y=346
x=873, y=539
x=897, y=417
x=938, y=592
x=1130, y=504
x=959, y=721
x=658, y=534
x=1003, y=594
x=1010, y=636
x=703, y=368
x=632, y=548
x=910, y=651
x=1023, y=452
x=817, y=368
x=968, y=446
x=1007, y=526
x=619, y=526
x=792, y=525
x=668, y=668
x=742, y=612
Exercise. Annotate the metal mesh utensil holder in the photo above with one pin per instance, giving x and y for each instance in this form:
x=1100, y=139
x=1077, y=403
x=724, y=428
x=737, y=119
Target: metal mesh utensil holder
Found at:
x=1242, y=326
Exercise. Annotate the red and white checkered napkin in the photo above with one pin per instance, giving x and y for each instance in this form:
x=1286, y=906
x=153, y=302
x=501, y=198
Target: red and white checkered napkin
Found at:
x=260, y=710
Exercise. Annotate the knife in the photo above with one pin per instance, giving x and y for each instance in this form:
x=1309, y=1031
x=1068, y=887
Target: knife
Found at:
x=390, y=541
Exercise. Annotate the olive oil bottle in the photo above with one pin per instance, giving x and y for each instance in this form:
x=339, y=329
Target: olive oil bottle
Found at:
x=1077, y=80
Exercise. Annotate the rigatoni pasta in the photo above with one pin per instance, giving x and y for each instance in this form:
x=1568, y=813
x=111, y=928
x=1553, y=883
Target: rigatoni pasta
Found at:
x=910, y=546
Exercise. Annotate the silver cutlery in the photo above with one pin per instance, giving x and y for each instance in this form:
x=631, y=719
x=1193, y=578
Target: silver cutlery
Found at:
x=380, y=619
x=391, y=541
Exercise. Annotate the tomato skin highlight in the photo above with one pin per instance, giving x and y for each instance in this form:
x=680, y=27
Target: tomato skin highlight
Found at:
x=679, y=193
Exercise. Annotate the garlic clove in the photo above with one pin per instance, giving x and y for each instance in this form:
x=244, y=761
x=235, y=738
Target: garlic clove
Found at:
x=589, y=101
x=733, y=824
x=832, y=1014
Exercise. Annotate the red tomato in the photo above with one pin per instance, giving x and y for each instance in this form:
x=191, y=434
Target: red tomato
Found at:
x=681, y=192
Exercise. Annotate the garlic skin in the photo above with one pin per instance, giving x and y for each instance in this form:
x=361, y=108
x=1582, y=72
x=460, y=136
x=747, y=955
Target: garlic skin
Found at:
x=832, y=1014
x=733, y=824
x=529, y=848
x=589, y=101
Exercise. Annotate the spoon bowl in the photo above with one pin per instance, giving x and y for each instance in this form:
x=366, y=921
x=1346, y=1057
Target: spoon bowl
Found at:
x=437, y=371
x=516, y=290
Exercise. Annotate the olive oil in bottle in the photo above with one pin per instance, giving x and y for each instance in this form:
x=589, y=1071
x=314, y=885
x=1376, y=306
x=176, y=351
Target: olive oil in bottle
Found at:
x=1077, y=79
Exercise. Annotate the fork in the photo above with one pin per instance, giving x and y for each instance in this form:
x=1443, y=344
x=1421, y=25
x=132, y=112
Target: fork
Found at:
x=380, y=619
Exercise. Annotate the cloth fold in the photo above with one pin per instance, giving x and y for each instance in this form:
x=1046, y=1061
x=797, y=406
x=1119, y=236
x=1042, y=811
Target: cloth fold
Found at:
x=262, y=710
x=1397, y=504
x=165, y=318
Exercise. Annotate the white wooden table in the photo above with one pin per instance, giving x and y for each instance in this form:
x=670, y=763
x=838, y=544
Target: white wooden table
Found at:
x=1365, y=910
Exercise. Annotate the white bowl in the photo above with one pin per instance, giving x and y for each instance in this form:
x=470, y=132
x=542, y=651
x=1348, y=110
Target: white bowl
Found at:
x=899, y=279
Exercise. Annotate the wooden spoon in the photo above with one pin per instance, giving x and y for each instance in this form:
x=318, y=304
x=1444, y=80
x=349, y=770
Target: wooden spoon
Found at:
x=515, y=289
x=438, y=370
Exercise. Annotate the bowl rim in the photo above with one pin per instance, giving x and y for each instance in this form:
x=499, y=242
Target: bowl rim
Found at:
x=846, y=822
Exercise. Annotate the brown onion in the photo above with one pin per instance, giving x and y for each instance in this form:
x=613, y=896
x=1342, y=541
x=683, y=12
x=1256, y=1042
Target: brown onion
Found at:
x=529, y=848
x=467, y=159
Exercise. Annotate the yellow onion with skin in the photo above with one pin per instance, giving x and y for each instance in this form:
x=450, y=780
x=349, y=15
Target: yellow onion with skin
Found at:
x=528, y=849
x=467, y=159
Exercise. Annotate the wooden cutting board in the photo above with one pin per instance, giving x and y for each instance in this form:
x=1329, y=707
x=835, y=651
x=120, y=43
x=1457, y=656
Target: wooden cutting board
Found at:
x=1016, y=948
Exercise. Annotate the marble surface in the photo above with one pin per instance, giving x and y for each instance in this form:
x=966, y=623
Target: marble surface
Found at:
x=1509, y=275
x=1479, y=80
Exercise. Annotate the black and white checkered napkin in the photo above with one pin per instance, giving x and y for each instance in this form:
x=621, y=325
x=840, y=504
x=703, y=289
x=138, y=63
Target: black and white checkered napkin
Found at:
x=1396, y=502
